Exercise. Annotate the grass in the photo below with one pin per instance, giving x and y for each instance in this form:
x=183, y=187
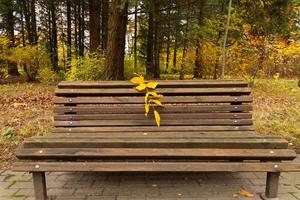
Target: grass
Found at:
x=26, y=110
x=277, y=109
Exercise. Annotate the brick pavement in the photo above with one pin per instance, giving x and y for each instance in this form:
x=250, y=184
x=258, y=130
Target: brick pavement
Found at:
x=142, y=186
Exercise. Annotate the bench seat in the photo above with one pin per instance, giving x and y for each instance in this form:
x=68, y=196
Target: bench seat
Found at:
x=206, y=126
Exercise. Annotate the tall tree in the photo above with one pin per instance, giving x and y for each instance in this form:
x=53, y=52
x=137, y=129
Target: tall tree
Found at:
x=149, y=64
x=9, y=19
x=135, y=34
x=69, y=34
x=198, y=73
x=104, y=23
x=94, y=25
x=114, y=65
x=52, y=6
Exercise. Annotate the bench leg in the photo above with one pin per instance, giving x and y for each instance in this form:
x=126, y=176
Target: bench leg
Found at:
x=272, y=186
x=39, y=183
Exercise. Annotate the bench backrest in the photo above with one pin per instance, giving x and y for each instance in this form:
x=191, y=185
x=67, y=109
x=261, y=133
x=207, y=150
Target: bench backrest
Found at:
x=115, y=106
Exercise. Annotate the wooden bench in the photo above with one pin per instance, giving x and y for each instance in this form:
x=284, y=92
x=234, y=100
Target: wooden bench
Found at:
x=206, y=126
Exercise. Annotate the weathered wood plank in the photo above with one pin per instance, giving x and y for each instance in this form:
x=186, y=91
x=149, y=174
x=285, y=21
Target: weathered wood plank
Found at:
x=148, y=122
x=171, y=135
x=162, y=84
x=156, y=167
x=39, y=183
x=98, y=153
x=141, y=116
x=249, y=143
x=141, y=100
x=164, y=91
x=140, y=109
x=153, y=129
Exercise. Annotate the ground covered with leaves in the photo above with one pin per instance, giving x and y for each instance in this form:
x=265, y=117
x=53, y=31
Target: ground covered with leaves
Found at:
x=26, y=110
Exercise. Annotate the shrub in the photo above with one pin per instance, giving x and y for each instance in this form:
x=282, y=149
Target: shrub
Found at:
x=87, y=68
x=32, y=58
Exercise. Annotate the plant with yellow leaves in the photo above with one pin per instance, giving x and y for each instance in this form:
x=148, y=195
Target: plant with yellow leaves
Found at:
x=152, y=99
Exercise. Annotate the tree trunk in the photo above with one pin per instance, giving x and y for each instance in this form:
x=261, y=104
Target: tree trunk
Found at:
x=198, y=73
x=69, y=35
x=225, y=39
x=135, y=36
x=53, y=31
x=95, y=29
x=168, y=41
x=104, y=18
x=10, y=23
x=114, y=67
x=33, y=23
x=156, y=40
x=80, y=14
x=185, y=41
x=76, y=27
x=149, y=67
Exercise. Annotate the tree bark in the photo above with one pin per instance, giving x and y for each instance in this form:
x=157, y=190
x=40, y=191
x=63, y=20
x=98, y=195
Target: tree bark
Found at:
x=53, y=35
x=156, y=39
x=104, y=23
x=135, y=36
x=9, y=24
x=185, y=41
x=69, y=35
x=95, y=29
x=114, y=67
x=149, y=67
x=198, y=73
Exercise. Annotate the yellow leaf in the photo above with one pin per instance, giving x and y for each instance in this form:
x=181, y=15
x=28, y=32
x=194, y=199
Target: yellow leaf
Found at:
x=152, y=85
x=157, y=102
x=245, y=193
x=147, y=108
x=157, y=117
x=141, y=87
x=137, y=80
x=154, y=94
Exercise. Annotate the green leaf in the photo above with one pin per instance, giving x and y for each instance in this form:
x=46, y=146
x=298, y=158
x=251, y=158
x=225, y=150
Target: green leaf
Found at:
x=8, y=133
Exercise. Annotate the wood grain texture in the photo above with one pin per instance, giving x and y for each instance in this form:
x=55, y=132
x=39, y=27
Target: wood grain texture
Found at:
x=99, y=153
x=156, y=167
x=250, y=143
x=162, y=84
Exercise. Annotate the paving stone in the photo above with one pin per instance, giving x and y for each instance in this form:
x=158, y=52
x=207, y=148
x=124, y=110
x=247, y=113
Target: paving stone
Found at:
x=61, y=191
x=164, y=186
x=101, y=198
x=22, y=184
x=89, y=191
x=4, y=192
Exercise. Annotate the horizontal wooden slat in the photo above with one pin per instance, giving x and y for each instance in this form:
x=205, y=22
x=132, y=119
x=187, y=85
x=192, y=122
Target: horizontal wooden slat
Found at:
x=141, y=116
x=148, y=122
x=156, y=167
x=247, y=143
x=170, y=135
x=141, y=100
x=87, y=153
x=162, y=84
x=140, y=109
x=154, y=129
x=164, y=91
